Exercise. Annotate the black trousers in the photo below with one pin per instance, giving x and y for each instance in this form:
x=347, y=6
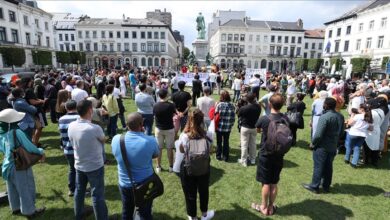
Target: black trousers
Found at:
x=53, y=113
x=195, y=96
x=294, y=133
x=223, y=145
x=370, y=154
x=192, y=185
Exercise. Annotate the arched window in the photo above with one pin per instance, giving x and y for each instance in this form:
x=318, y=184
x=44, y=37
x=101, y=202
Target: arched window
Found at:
x=150, y=61
x=256, y=64
x=135, y=62
x=223, y=63
x=249, y=65
x=143, y=61
x=263, y=64
x=156, y=62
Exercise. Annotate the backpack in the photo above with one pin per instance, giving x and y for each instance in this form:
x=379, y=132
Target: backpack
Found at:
x=197, y=157
x=279, y=136
x=218, y=79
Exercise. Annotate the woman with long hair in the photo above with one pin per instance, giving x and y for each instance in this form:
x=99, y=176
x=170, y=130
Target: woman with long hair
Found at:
x=360, y=123
x=62, y=98
x=194, y=134
x=111, y=106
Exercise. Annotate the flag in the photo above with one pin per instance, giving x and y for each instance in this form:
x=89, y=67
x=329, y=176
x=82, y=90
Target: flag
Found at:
x=327, y=48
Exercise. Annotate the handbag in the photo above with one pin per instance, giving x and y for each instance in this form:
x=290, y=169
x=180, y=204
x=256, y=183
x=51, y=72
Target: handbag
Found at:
x=146, y=191
x=22, y=158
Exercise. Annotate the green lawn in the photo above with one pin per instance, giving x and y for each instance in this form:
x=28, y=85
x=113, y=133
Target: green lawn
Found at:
x=355, y=193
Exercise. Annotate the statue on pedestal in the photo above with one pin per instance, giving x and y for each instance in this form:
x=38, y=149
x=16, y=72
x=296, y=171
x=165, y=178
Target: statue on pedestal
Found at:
x=191, y=58
x=200, y=26
x=209, y=59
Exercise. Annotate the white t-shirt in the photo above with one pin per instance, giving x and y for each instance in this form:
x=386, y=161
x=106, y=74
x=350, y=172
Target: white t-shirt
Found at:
x=213, y=77
x=204, y=104
x=116, y=93
x=122, y=82
x=78, y=95
x=69, y=88
x=254, y=82
x=359, y=128
x=174, y=83
x=356, y=101
x=291, y=89
x=237, y=84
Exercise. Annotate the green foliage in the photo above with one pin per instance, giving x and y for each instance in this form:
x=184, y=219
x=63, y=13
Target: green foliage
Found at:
x=41, y=57
x=314, y=65
x=186, y=53
x=337, y=61
x=359, y=64
x=13, y=56
x=77, y=57
x=63, y=57
x=301, y=64
x=384, y=62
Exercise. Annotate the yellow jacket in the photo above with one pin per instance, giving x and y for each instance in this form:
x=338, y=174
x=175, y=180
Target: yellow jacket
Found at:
x=111, y=104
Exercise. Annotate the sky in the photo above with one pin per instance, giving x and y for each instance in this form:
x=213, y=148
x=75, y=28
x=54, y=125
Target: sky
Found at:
x=314, y=13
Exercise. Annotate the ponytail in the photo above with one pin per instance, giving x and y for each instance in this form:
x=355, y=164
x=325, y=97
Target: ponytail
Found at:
x=367, y=113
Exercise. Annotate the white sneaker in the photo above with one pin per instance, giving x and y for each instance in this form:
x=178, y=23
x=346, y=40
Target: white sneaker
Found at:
x=210, y=215
x=243, y=163
x=158, y=169
x=170, y=169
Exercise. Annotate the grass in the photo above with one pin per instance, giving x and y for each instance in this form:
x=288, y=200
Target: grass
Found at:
x=355, y=193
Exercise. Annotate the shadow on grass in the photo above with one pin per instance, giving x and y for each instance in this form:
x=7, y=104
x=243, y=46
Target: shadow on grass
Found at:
x=58, y=213
x=164, y=216
x=215, y=175
x=355, y=190
x=61, y=160
x=237, y=212
x=303, y=144
x=289, y=164
x=55, y=195
x=111, y=193
x=310, y=209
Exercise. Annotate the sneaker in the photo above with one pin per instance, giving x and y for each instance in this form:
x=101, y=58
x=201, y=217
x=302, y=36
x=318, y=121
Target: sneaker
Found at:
x=170, y=169
x=70, y=193
x=158, y=169
x=253, y=162
x=243, y=163
x=210, y=215
x=37, y=213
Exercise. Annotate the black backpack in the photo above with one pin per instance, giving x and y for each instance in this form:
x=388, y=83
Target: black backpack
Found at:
x=279, y=136
x=197, y=157
x=218, y=79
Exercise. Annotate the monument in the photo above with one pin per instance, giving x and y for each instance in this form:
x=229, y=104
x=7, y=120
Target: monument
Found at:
x=200, y=45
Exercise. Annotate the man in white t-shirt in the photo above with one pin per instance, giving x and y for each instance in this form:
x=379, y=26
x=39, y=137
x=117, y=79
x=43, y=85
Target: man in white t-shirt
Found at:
x=174, y=83
x=291, y=91
x=385, y=86
x=79, y=93
x=205, y=103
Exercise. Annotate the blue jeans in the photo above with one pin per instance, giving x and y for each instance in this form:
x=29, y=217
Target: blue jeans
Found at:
x=148, y=123
x=353, y=143
x=323, y=168
x=128, y=206
x=96, y=181
x=236, y=95
x=21, y=191
x=71, y=173
x=112, y=126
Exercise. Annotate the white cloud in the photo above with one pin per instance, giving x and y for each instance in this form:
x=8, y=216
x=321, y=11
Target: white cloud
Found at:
x=313, y=13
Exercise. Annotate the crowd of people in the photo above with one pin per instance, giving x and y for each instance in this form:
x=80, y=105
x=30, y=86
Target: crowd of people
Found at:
x=186, y=125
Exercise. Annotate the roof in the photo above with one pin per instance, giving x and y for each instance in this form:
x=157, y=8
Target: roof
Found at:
x=361, y=8
x=273, y=25
x=126, y=22
x=65, y=21
x=316, y=33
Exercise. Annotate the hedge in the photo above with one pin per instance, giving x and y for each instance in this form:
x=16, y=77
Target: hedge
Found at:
x=337, y=62
x=63, y=57
x=77, y=56
x=359, y=65
x=314, y=65
x=301, y=64
x=41, y=57
x=13, y=56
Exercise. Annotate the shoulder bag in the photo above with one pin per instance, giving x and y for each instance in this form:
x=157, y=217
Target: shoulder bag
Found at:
x=146, y=191
x=22, y=158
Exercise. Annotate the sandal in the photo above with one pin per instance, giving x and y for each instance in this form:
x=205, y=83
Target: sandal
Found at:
x=258, y=208
x=274, y=208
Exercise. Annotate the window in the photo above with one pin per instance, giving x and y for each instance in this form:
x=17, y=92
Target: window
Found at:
x=73, y=47
x=360, y=27
x=368, y=42
x=242, y=37
x=313, y=46
x=81, y=46
x=28, y=39
x=229, y=48
x=134, y=47
x=236, y=37
x=104, y=47
x=156, y=46
x=242, y=50
x=223, y=37
x=142, y=34
x=126, y=34
x=47, y=41
x=306, y=45
x=60, y=37
x=118, y=46
x=249, y=49
x=337, y=46
x=293, y=40
x=149, y=35
x=348, y=30
x=312, y=54
x=257, y=38
x=235, y=48
x=25, y=19
x=383, y=22
x=292, y=51
x=87, y=46
x=80, y=34
x=162, y=47
x=94, y=34
x=86, y=34
x=111, y=47
x=338, y=32
x=143, y=47
x=46, y=25
x=118, y=34
x=298, y=51
x=61, y=47
x=371, y=26
x=320, y=46
x=134, y=34
x=155, y=35
x=15, y=37
x=250, y=37
x=319, y=55
x=1, y=13
x=36, y=23
x=358, y=42
x=39, y=43
x=265, y=39
x=12, y=16
x=299, y=40
x=127, y=47
x=272, y=39
x=110, y=34
x=66, y=37
x=230, y=37
x=162, y=35
x=330, y=33
x=223, y=48
x=149, y=47
x=72, y=37
x=346, y=45
x=278, y=50
x=279, y=39
x=305, y=55
x=95, y=47
x=380, y=42
x=285, y=49
x=103, y=33
x=272, y=50
x=286, y=39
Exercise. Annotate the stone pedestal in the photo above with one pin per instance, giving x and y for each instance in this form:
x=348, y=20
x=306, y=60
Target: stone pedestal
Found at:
x=200, y=51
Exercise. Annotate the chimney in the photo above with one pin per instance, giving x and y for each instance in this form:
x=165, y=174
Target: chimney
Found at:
x=300, y=23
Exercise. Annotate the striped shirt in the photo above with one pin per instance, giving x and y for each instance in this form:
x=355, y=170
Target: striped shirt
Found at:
x=63, y=124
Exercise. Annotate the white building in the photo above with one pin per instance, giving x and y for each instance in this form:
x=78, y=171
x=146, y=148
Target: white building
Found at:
x=362, y=32
x=23, y=24
x=65, y=31
x=127, y=41
x=313, y=44
x=257, y=44
x=221, y=17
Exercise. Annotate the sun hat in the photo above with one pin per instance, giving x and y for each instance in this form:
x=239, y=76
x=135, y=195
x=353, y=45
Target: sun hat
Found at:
x=10, y=115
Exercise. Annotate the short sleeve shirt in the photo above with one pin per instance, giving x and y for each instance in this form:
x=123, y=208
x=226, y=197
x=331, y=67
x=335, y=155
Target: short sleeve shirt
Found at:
x=262, y=124
x=180, y=99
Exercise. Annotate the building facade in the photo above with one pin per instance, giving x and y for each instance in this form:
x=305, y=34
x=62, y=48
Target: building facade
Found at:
x=24, y=25
x=118, y=42
x=313, y=44
x=65, y=31
x=162, y=16
x=362, y=32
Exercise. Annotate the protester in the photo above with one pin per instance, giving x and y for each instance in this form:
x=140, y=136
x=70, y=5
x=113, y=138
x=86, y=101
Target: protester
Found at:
x=248, y=115
x=111, y=106
x=27, y=124
x=182, y=101
x=298, y=106
x=255, y=82
x=236, y=87
x=174, y=83
x=119, y=99
x=122, y=84
x=205, y=103
x=264, y=101
x=145, y=103
x=133, y=83
x=317, y=110
x=88, y=140
x=196, y=89
x=62, y=98
x=78, y=93
x=164, y=111
x=226, y=112
x=140, y=150
x=51, y=94
x=325, y=141
x=291, y=91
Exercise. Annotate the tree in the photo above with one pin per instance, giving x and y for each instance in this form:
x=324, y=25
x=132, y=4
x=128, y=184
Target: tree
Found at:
x=384, y=62
x=41, y=57
x=63, y=57
x=337, y=61
x=77, y=57
x=359, y=65
x=186, y=53
x=13, y=56
x=314, y=65
x=301, y=64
